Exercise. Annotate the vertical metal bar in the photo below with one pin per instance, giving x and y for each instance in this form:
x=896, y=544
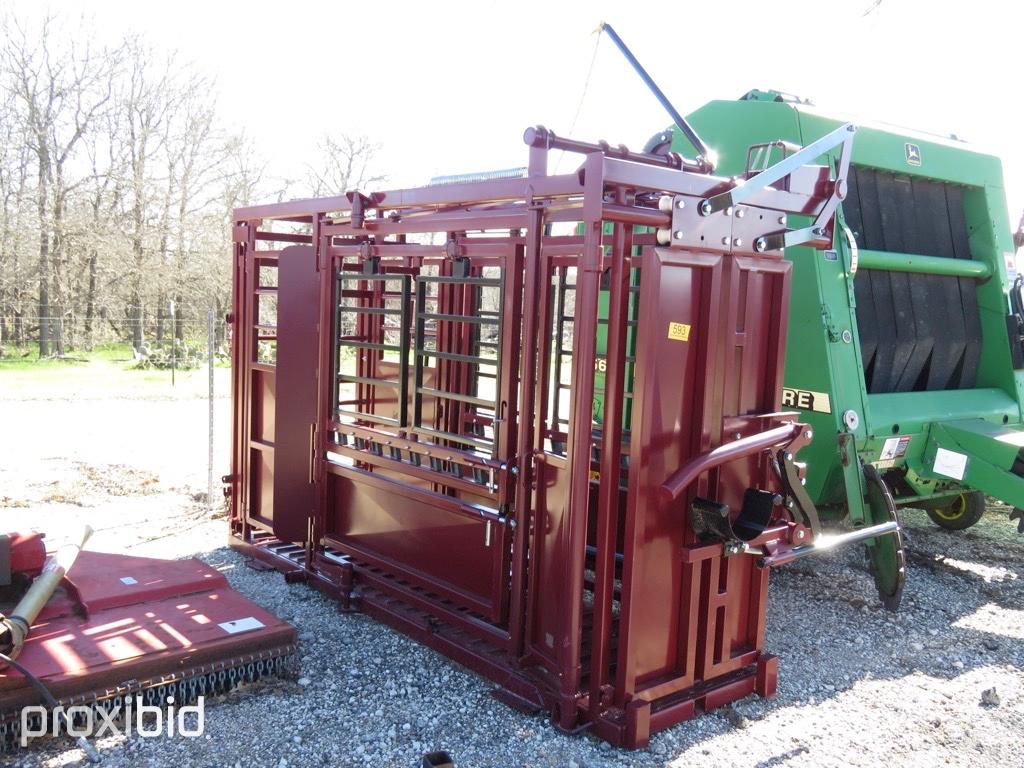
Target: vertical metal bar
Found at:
x=209, y=396
x=556, y=395
x=328, y=362
x=611, y=450
x=511, y=344
x=418, y=358
x=247, y=343
x=535, y=344
x=499, y=375
x=403, y=363
x=578, y=453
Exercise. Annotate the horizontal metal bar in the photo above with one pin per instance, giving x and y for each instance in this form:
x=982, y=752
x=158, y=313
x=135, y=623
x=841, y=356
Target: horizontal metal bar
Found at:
x=484, y=281
x=925, y=265
x=266, y=290
x=457, y=358
x=456, y=396
x=377, y=277
x=430, y=450
x=369, y=310
x=340, y=413
x=457, y=318
x=370, y=345
x=826, y=542
x=422, y=471
x=367, y=380
x=445, y=195
x=486, y=445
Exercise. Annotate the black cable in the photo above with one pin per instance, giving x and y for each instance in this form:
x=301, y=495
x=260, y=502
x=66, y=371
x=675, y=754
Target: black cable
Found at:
x=89, y=749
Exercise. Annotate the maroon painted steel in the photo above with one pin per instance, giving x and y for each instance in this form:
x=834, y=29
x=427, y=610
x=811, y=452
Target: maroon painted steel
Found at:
x=121, y=623
x=460, y=488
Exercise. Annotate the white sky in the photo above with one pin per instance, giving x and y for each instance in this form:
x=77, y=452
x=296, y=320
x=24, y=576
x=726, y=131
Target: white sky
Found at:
x=448, y=87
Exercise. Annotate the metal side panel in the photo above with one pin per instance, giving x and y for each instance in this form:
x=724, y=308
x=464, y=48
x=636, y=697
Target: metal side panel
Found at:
x=298, y=302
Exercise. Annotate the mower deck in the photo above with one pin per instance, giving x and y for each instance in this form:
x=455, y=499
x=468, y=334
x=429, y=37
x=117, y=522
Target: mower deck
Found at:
x=124, y=626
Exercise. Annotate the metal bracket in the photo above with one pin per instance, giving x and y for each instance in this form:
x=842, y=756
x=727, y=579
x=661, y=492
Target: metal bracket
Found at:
x=802, y=505
x=842, y=136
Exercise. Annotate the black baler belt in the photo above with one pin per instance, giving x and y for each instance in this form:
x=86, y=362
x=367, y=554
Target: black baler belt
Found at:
x=968, y=287
x=881, y=287
x=929, y=215
x=910, y=350
x=917, y=331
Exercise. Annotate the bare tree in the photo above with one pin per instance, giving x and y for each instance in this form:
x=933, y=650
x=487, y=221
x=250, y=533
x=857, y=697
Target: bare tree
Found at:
x=60, y=88
x=117, y=188
x=15, y=180
x=345, y=164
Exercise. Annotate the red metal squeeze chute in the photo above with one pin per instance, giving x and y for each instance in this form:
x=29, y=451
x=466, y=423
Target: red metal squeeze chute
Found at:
x=413, y=432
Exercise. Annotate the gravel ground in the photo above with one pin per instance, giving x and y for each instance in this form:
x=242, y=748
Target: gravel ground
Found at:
x=858, y=686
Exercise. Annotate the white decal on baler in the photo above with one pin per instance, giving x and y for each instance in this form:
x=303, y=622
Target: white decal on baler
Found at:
x=950, y=464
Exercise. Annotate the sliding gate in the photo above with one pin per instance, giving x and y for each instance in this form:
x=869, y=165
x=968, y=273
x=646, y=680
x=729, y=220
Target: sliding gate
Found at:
x=421, y=435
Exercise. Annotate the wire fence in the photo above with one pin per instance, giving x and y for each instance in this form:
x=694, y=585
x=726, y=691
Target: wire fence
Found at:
x=186, y=350
x=148, y=337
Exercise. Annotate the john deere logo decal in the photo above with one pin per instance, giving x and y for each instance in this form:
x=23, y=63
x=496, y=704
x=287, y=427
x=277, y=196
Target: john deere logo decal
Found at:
x=913, y=153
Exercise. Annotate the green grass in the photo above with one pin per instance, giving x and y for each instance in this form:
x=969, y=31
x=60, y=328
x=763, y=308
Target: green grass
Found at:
x=106, y=371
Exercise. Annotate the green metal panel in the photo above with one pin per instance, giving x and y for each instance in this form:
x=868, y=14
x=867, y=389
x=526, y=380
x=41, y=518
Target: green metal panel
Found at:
x=824, y=372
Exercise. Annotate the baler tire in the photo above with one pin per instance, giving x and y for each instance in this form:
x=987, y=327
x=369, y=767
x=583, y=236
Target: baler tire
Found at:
x=960, y=514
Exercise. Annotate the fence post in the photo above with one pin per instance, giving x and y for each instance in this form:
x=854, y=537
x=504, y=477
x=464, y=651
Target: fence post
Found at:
x=209, y=458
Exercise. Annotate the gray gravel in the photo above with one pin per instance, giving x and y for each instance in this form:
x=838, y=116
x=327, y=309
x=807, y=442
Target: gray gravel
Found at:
x=939, y=683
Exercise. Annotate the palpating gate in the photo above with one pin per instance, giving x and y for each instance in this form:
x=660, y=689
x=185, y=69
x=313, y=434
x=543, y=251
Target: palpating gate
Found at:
x=415, y=428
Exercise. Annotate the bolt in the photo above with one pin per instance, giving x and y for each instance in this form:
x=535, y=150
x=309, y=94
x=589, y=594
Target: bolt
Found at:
x=740, y=213
x=809, y=434
x=760, y=245
x=680, y=203
x=738, y=435
x=737, y=242
x=782, y=220
x=847, y=337
x=789, y=457
x=728, y=211
x=678, y=234
x=799, y=535
x=725, y=241
x=705, y=207
x=789, y=503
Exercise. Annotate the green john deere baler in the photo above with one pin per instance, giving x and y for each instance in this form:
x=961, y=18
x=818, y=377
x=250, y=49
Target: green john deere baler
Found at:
x=905, y=347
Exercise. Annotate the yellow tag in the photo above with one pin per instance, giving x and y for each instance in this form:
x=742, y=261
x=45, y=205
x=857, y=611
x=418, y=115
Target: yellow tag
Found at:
x=595, y=476
x=679, y=331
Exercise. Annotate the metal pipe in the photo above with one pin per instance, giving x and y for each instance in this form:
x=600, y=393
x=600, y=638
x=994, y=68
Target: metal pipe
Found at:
x=630, y=214
x=539, y=137
x=828, y=541
x=703, y=151
x=15, y=628
x=675, y=485
x=925, y=265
